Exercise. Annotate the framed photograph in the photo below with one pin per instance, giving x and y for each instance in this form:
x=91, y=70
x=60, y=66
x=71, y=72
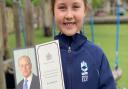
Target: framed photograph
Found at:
x=18, y=54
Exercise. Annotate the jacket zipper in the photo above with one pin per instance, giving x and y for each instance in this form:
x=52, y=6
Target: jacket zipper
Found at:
x=69, y=68
x=69, y=49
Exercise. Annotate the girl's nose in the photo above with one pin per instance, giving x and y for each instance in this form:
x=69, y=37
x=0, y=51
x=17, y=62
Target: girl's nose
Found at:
x=69, y=15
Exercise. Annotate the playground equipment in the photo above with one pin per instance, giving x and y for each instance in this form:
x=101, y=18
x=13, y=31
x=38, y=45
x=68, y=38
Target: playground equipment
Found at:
x=19, y=20
x=92, y=27
x=53, y=28
x=117, y=72
x=91, y=21
x=22, y=24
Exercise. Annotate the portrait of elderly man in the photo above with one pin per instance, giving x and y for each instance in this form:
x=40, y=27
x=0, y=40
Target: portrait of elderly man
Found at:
x=30, y=80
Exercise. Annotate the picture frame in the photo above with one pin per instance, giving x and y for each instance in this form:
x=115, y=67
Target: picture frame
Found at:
x=17, y=53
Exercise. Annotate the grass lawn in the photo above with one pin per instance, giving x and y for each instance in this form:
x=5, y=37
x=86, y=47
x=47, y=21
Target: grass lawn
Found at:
x=105, y=38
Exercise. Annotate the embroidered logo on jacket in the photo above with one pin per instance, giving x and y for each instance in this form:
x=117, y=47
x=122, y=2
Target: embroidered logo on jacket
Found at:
x=84, y=73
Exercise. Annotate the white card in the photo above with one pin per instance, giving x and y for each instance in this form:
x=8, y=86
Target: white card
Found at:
x=49, y=65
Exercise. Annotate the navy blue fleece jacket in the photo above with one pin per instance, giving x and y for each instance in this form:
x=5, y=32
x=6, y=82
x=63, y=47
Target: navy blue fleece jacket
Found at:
x=84, y=64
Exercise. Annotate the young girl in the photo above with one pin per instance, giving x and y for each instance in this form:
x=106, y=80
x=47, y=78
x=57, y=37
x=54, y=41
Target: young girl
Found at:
x=85, y=66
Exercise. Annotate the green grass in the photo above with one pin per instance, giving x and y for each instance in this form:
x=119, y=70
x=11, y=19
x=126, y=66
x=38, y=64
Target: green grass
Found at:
x=105, y=38
x=38, y=39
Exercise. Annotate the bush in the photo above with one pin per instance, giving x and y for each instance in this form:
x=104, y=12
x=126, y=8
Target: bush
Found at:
x=9, y=3
x=97, y=4
x=36, y=2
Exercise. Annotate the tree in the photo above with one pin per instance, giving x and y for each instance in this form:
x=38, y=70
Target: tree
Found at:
x=9, y=3
x=36, y=2
x=16, y=23
x=29, y=25
x=97, y=4
x=2, y=76
x=4, y=29
x=47, y=18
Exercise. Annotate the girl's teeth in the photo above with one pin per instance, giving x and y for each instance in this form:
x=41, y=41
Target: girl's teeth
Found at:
x=69, y=23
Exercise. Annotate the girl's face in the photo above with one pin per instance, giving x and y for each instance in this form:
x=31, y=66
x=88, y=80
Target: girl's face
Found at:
x=69, y=15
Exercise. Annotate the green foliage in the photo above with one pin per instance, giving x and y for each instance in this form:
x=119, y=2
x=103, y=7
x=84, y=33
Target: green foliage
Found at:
x=97, y=4
x=36, y=2
x=9, y=3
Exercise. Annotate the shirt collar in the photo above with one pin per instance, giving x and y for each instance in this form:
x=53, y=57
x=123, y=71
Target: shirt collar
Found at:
x=74, y=41
x=29, y=77
x=29, y=80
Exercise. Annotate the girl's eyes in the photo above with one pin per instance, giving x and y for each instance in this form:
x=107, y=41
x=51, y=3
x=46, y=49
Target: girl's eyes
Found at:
x=62, y=7
x=74, y=7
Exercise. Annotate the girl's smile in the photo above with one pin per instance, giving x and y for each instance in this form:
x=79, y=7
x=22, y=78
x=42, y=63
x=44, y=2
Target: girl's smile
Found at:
x=69, y=15
x=69, y=25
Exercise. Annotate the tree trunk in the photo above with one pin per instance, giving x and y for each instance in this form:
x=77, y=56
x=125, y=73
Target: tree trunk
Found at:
x=16, y=24
x=29, y=25
x=38, y=17
x=4, y=29
x=2, y=76
x=47, y=17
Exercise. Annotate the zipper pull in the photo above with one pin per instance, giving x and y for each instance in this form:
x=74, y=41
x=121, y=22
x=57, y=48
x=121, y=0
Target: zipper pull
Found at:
x=69, y=49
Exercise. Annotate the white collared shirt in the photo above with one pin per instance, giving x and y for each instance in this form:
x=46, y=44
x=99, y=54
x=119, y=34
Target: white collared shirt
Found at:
x=29, y=80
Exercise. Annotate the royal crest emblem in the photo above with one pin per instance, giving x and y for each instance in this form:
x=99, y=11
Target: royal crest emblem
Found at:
x=84, y=71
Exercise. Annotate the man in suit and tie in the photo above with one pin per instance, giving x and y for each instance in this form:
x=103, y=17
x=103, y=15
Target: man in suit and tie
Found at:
x=30, y=80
